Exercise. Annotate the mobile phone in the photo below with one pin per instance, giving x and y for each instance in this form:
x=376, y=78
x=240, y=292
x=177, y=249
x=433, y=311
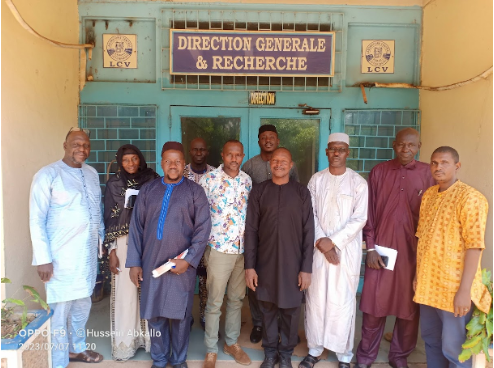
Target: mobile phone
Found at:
x=385, y=260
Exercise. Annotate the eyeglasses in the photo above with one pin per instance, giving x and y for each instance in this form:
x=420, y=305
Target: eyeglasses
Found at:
x=87, y=131
x=339, y=150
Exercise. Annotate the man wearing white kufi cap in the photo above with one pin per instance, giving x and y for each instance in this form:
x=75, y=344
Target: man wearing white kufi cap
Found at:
x=339, y=200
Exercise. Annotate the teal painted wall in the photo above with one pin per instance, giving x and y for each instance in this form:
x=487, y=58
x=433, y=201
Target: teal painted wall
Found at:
x=144, y=85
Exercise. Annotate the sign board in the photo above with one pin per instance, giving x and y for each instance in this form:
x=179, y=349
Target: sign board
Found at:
x=262, y=98
x=378, y=56
x=119, y=51
x=243, y=53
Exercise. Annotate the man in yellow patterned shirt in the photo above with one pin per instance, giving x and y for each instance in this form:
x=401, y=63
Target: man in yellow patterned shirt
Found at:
x=451, y=240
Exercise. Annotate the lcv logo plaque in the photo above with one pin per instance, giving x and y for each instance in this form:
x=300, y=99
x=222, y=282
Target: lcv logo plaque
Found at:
x=120, y=51
x=378, y=57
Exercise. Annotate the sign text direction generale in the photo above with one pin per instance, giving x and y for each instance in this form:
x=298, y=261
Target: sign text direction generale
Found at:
x=252, y=53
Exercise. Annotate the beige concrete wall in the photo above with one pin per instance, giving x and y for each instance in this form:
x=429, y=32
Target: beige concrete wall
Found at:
x=457, y=45
x=40, y=92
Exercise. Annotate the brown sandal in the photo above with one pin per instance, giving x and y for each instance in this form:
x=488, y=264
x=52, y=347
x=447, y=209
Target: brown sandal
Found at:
x=87, y=356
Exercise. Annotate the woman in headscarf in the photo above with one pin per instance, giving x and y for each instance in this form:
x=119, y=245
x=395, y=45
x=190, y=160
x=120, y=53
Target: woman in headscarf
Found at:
x=126, y=325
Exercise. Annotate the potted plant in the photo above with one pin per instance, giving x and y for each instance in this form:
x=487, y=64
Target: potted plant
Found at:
x=479, y=331
x=26, y=334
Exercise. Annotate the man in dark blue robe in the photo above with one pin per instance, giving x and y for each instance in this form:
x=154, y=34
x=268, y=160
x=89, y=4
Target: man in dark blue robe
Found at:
x=171, y=215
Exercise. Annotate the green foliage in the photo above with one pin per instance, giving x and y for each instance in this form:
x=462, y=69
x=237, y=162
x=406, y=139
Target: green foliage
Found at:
x=10, y=305
x=479, y=329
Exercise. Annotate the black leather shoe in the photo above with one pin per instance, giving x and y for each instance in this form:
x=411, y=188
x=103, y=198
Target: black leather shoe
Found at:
x=308, y=362
x=343, y=365
x=181, y=365
x=256, y=334
x=269, y=362
x=285, y=362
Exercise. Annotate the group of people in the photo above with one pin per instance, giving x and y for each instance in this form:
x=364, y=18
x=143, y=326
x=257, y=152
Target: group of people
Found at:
x=256, y=226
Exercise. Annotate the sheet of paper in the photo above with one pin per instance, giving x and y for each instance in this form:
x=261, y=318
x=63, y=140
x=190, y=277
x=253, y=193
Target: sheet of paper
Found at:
x=390, y=253
x=100, y=247
x=128, y=193
x=168, y=265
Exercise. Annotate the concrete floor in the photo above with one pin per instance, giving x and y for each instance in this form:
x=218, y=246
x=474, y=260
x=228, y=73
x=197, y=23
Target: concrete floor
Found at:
x=99, y=323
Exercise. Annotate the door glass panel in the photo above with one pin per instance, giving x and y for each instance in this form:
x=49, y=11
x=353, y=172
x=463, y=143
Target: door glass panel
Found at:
x=301, y=138
x=215, y=131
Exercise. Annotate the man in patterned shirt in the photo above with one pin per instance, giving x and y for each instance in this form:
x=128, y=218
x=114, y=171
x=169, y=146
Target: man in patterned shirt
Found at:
x=451, y=231
x=195, y=171
x=227, y=189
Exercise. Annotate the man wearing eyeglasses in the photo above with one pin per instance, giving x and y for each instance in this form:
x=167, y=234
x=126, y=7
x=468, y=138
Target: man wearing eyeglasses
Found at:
x=339, y=200
x=66, y=226
x=171, y=216
x=195, y=171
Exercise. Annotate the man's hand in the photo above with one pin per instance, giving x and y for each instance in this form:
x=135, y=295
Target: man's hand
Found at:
x=374, y=260
x=114, y=262
x=135, y=275
x=324, y=245
x=45, y=272
x=414, y=283
x=304, y=279
x=332, y=257
x=251, y=278
x=462, y=302
x=180, y=266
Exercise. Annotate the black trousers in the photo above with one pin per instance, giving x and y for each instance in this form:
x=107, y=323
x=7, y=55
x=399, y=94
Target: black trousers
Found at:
x=255, y=311
x=286, y=325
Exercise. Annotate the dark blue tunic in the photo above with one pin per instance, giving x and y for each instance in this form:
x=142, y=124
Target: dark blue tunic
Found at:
x=186, y=225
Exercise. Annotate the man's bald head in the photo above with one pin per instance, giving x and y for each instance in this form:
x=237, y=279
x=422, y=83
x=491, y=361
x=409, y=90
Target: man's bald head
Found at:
x=406, y=145
x=282, y=150
x=408, y=132
x=198, y=140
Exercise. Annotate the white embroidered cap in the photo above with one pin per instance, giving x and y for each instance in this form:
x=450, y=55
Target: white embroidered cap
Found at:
x=339, y=137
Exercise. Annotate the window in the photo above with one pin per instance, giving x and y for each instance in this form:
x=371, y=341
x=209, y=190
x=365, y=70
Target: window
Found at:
x=372, y=133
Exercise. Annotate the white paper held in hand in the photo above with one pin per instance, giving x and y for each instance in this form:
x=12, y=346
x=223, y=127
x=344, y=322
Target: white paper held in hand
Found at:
x=390, y=253
x=168, y=265
x=128, y=194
